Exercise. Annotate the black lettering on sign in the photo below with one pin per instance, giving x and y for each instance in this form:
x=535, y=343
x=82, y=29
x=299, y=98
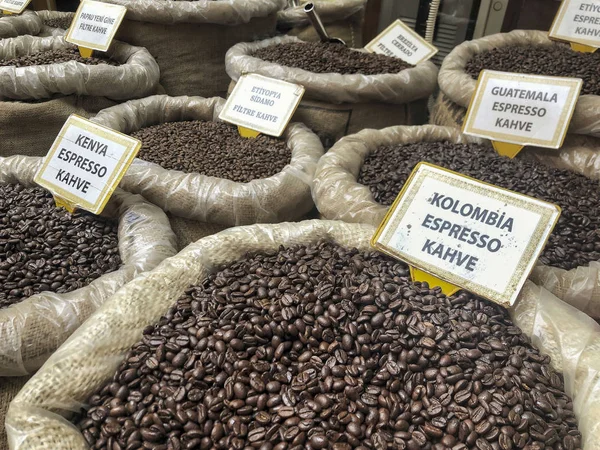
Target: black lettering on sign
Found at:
x=72, y=180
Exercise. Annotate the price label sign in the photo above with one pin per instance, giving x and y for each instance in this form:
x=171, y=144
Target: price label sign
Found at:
x=522, y=109
x=474, y=235
x=577, y=21
x=400, y=41
x=86, y=163
x=262, y=104
x=95, y=25
x=14, y=6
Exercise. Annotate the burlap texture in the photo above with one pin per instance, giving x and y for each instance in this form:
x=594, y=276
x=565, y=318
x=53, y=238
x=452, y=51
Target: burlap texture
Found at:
x=188, y=231
x=32, y=329
x=36, y=418
x=459, y=86
x=342, y=19
x=9, y=387
x=283, y=196
x=189, y=39
x=27, y=23
x=339, y=196
x=46, y=16
x=334, y=104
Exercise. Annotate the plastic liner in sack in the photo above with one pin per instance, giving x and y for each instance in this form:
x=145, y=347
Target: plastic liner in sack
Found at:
x=457, y=87
x=281, y=197
x=342, y=19
x=33, y=329
x=37, y=417
x=189, y=39
x=36, y=101
x=339, y=196
x=27, y=23
x=55, y=23
x=335, y=104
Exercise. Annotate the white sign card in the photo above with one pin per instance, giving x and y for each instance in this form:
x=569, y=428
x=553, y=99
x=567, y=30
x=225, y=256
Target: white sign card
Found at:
x=262, y=104
x=522, y=109
x=86, y=163
x=474, y=235
x=577, y=21
x=14, y=6
x=95, y=24
x=400, y=41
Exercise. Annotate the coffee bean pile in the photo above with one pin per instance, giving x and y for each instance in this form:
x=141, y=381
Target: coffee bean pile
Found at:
x=318, y=57
x=555, y=60
x=575, y=240
x=59, y=22
x=321, y=346
x=214, y=149
x=55, y=57
x=44, y=248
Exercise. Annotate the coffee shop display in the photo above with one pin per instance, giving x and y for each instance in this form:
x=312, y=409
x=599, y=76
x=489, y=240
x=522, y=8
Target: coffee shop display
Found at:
x=528, y=52
x=359, y=178
x=346, y=90
x=43, y=80
x=342, y=19
x=12, y=25
x=300, y=335
x=57, y=268
x=189, y=39
x=197, y=167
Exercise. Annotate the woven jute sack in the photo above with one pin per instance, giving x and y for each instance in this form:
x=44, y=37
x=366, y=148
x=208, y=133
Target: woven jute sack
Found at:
x=37, y=416
x=339, y=196
x=188, y=230
x=9, y=387
x=457, y=87
x=55, y=23
x=34, y=328
x=335, y=105
x=189, y=39
x=342, y=19
x=27, y=23
x=35, y=101
x=281, y=197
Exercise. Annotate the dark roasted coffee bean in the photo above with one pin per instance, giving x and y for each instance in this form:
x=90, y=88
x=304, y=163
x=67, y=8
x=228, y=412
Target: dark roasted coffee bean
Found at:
x=55, y=57
x=49, y=249
x=574, y=241
x=317, y=57
x=452, y=382
x=191, y=147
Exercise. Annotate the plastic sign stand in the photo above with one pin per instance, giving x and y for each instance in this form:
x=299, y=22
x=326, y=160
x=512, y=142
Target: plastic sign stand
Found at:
x=94, y=26
x=506, y=149
x=582, y=48
x=85, y=52
x=577, y=22
x=247, y=132
x=448, y=289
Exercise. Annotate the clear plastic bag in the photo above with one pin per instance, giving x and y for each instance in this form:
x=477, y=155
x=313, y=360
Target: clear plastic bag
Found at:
x=37, y=418
x=17, y=25
x=283, y=196
x=31, y=330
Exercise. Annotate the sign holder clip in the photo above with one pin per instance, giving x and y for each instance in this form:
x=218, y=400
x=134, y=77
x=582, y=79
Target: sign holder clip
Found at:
x=448, y=289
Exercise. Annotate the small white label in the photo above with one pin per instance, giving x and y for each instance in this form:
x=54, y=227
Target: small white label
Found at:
x=262, y=104
x=474, y=235
x=577, y=21
x=400, y=41
x=86, y=163
x=14, y=6
x=522, y=109
x=95, y=24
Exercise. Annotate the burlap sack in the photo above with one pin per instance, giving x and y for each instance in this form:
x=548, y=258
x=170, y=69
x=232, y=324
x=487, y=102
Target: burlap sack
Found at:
x=457, y=88
x=188, y=230
x=27, y=23
x=36, y=418
x=342, y=19
x=339, y=196
x=35, y=101
x=189, y=38
x=335, y=105
x=55, y=23
x=281, y=197
x=9, y=387
x=32, y=329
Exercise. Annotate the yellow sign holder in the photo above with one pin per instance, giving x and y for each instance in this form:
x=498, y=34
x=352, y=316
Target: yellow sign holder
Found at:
x=507, y=149
x=7, y=13
x=448, y=289
x=85, y=52
x=62, y=203
x=582, y=48
x=247, y=132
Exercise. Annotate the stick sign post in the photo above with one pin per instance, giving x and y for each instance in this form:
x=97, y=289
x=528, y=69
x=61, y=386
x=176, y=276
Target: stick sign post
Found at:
x=94, y=26
x=516, y=110
x=260, y=104
x=85, y=164
x=13, y=6
x=578, y=22
x=469, y=234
